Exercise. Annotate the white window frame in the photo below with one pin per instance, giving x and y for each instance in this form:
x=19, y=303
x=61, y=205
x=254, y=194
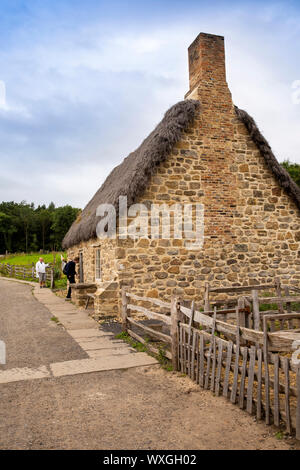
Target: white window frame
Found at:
x=97, y=264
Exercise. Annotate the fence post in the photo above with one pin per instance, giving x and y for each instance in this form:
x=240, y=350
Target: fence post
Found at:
x=255, y=307
x=175, y=318
x=278, y=292
x=124, y=311
x=298, y=405
x=267, y=378
x=242, y=315
x=52, y=278
x=206, y=298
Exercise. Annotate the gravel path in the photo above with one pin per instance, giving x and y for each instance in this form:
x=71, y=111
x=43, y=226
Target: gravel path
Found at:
x=142, y=408
x=32, y=338
x=138, y=408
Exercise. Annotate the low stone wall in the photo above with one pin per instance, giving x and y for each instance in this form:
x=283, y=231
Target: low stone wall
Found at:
x=80, y=291
x=107, y=299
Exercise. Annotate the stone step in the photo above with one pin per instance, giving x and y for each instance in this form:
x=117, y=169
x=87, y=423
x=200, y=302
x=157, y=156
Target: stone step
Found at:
x=110, y=352
x=88, y=333
x=24, y=373
x=101, y=343
x=98, y=364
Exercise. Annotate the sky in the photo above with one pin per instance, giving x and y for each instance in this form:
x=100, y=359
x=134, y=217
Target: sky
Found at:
x=82, y=83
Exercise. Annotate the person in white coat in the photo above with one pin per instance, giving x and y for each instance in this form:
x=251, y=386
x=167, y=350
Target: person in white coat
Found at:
x=40, y=269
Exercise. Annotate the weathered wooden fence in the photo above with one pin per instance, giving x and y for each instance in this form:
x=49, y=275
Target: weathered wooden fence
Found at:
x=229, y=359
x=139, y=310
x=25, y=272
x=248, y=375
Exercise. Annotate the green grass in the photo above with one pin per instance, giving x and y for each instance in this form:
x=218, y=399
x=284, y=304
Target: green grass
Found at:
x=162, y=359
x=55, y=319
x=29, y=259
x=134, y=344
x=61, y=283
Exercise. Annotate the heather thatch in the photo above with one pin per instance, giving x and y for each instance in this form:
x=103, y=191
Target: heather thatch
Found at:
x=130, y=178
x=280, y=173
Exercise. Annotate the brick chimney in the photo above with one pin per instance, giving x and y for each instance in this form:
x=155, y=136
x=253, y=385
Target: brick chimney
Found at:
x=215, y=131
x=207, y=74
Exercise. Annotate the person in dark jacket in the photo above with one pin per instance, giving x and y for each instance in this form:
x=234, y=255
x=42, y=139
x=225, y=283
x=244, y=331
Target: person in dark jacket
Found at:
x=70, y=270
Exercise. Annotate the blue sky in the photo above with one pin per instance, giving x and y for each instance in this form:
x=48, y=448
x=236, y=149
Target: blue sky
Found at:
x=83, y=82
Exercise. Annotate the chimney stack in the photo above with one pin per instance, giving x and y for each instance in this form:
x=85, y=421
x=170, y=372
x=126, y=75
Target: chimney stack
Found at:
x=206, y=64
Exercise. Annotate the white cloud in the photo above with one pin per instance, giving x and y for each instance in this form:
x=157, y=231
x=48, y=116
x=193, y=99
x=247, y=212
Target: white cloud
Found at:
x=2, y=95
x=81, y=99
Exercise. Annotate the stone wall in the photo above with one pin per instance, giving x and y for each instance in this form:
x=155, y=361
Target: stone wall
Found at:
x=106, y=301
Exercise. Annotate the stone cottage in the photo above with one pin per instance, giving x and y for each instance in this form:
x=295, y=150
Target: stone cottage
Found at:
x=204, y=152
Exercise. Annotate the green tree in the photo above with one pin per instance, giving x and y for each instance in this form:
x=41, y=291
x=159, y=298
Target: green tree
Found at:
x=26, y=218
x=63, y=218
x=293, y=169
x=44, y=219
x=26, y=228
x=7, y=229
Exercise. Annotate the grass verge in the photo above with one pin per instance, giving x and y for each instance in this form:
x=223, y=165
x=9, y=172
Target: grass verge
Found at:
x=140, y=347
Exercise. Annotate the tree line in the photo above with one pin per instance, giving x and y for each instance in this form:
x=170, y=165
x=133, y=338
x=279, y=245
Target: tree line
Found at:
x=26, y=228
x=293, y=169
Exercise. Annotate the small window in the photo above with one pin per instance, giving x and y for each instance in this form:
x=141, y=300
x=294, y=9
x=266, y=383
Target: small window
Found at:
x=97, y=265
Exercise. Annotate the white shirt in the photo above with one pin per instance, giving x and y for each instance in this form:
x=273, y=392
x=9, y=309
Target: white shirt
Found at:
x=40, y=268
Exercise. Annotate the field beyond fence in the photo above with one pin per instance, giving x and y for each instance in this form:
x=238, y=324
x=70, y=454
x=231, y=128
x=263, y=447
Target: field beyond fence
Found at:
x=22, y=266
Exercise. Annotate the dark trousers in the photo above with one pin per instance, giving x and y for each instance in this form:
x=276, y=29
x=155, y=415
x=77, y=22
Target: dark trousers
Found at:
x=71, y=280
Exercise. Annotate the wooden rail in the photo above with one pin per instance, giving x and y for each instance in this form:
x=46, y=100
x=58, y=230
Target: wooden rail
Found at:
x=128, y=322
x=25, y=272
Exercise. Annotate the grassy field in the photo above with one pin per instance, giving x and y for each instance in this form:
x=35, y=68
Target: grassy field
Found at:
x=30, y=258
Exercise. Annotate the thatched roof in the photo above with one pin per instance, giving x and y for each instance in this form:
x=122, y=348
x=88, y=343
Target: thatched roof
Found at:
x=280, y=173
x=130, y=178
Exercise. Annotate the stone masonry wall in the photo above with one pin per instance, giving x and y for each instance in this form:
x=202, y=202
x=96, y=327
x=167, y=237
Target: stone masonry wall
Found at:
x=107, y=292
x=251, y=227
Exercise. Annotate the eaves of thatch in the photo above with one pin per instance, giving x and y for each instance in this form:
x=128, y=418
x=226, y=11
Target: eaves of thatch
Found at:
x=130, y=178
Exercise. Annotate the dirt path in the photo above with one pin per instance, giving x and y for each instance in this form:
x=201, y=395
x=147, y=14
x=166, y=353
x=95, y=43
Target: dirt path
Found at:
x=139, y=408
x=31, y=337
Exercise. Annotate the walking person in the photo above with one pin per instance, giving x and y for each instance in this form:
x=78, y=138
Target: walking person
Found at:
x=40, y=269
x=70, y=272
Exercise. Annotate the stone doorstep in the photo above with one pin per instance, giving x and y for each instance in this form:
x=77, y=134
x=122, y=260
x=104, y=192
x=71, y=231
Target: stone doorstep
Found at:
x=97, y=364
x=110, y=360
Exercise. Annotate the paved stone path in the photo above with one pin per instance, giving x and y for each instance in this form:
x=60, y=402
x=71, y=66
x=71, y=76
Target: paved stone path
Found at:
x=99, y=349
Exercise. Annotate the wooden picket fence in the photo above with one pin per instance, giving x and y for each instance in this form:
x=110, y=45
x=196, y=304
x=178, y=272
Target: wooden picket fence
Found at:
x=25, y=272
x=230, y=360
x=250, y=376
